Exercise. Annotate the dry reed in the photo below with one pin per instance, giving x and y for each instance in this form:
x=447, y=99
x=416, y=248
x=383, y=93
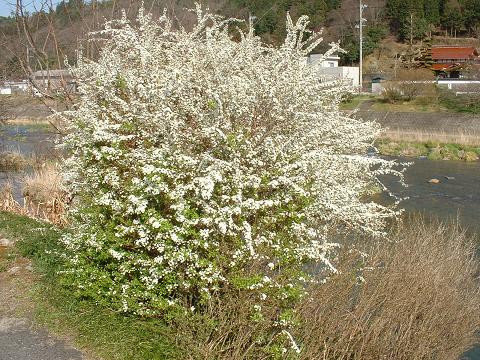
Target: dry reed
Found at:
x=8, y=202
x=420, y=300
x=441, y=136
x=226, y=330
x=12, y=160
x=43, y=195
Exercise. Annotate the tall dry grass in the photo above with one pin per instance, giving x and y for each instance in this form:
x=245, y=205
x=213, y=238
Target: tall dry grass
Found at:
x=12, y=160
x=420, y=300
x=456, y=137
x=43, y=196
x=8, y=202
x=227, y=330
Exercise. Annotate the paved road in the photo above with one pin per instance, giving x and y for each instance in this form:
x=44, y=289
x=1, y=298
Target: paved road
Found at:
x=18, y=341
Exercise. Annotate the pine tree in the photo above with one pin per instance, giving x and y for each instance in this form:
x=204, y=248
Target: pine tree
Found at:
x=432, y=11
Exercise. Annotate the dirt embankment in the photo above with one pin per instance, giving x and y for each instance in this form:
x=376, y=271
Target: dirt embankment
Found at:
x=21, y=107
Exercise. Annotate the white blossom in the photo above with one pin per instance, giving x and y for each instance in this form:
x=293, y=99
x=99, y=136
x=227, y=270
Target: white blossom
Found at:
x=195, y=153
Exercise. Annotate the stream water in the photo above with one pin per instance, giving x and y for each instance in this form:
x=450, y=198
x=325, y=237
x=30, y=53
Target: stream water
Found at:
x=36, y=141
x=456, y=196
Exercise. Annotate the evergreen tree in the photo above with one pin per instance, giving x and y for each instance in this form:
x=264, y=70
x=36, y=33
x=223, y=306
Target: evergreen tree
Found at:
x=432, y=11
x=472, y=15
x=402, y=13
x=452, y=19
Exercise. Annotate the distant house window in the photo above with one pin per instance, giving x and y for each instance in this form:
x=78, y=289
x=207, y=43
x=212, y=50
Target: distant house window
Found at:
x=331, y=64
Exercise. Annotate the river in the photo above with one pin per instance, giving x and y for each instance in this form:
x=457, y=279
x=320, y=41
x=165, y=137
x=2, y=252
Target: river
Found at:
x=35, y=140
x=457, y=195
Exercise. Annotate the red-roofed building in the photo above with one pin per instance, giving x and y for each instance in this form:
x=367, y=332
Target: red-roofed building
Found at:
x=449, y=61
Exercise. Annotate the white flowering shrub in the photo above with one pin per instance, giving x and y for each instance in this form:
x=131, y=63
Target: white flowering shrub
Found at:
x=205, y=158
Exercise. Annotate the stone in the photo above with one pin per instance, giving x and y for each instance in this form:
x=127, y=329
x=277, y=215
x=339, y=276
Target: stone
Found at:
x=5, y=242
x=434, y=181
x=449, y=177
x=14, y=270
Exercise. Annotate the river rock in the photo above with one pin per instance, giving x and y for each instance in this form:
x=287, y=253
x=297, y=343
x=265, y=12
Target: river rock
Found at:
x=5, y=242
x=434, y=181
x=14, y=270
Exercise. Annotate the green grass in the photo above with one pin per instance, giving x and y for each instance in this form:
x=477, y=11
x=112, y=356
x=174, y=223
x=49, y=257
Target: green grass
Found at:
x=408, y=106
x=432, y=150
x=355, y=101
x=462, y=103
x=99, y=330
x=420, y=104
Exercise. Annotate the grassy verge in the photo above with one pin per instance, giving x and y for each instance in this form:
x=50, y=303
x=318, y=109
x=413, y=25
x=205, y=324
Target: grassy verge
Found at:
x=355, y=101
x=462, y=103
x=97, y=330
x=432, y=150
x=420, y=104
x=446, y=101
x=409, y=106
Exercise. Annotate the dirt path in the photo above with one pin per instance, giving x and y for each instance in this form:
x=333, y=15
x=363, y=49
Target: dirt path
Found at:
x=20, y=339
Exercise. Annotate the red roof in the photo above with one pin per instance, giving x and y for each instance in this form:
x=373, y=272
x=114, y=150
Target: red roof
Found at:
x=442, y=67
x=454, y=53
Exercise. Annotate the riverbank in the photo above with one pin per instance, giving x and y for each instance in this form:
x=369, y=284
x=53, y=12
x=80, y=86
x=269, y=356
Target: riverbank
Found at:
x=29, y=121
x=430, y=150
x=97, y=332
x=103, y=334
x=436, y=136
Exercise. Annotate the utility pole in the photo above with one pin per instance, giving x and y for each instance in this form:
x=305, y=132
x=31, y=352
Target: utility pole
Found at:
x=360, y=25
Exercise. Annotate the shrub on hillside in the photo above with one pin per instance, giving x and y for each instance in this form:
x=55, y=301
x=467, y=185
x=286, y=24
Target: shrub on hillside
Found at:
x=199, y=162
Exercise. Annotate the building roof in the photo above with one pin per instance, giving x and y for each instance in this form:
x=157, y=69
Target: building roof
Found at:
x=453, y=53
x=316, y=57
x=51, y=73
x=444, y=67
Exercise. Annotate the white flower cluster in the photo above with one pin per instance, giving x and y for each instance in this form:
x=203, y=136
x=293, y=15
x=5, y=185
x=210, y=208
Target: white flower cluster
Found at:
x=197, y=153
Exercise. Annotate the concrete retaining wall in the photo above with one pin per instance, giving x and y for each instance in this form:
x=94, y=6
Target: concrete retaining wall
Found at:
x=448, y=122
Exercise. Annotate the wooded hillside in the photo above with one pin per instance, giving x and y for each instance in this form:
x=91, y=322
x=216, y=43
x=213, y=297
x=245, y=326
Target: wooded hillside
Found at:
x=43, y=38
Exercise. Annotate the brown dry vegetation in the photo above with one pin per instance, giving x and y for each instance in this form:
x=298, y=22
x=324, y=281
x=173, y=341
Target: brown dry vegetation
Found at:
x=12, y=160
x=416, y=135
x=44, y=197
x=420, y=300
x=416, y=296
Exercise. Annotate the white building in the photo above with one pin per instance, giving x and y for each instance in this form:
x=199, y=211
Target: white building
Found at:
x=14, y=87
x=329, y=67
x=53, y=80
x=329, y=61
